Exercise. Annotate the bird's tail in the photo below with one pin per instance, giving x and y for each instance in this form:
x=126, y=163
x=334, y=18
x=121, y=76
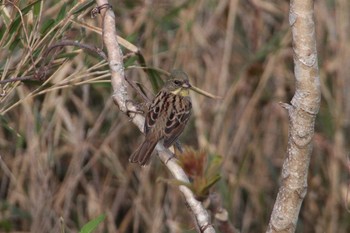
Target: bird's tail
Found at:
x=144, y=152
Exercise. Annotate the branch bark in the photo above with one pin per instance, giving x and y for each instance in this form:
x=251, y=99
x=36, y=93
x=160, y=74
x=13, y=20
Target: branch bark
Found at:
x=121, y=97
x=302, y=113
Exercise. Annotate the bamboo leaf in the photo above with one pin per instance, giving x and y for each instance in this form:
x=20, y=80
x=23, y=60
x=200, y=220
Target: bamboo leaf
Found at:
x=85, y=5
x=92, y=225
x=62, y=13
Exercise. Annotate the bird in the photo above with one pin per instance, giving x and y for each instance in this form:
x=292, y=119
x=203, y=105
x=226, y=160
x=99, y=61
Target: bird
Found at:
x=166, y=116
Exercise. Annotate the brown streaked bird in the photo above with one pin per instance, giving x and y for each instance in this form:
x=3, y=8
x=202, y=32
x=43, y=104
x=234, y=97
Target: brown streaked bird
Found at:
x=167, y=116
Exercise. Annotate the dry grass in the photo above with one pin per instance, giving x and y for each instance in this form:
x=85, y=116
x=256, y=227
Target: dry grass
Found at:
x=64, y=146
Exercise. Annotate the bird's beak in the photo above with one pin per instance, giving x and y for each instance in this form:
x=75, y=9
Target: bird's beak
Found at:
x=205, y=93
x=186, y=85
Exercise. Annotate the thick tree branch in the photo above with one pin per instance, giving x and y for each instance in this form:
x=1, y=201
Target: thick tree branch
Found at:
x=120, y=97
x=302, y=113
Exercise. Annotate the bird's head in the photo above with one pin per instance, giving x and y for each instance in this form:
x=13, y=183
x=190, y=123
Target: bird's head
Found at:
x=178, y=83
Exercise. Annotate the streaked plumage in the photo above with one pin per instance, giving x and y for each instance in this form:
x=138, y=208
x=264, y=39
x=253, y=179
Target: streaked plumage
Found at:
x=167, y=116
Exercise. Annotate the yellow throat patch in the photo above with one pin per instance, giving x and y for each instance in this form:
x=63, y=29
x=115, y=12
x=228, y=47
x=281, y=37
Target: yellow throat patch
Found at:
x=181, y=92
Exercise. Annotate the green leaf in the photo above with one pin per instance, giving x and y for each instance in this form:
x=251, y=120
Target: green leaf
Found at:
x=4, y=122
x=106, y=85
x=214, y=166
x=6, y=225
x=92, y=225
x=175, y=182
x=14, y=43
x=84, y=6
x=26, y=9
x=16, y=22
x=153, y=75
x=14, y=25
x=209, y=184
x=2, y=32
x=129, y=62
x=62, y=13
x=37, y=8
x=47, y=25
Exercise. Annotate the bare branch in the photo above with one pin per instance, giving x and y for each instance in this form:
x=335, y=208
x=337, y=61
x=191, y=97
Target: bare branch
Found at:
x=121, y=98
x=302, y=113
x=89, y=48
x=220, y=214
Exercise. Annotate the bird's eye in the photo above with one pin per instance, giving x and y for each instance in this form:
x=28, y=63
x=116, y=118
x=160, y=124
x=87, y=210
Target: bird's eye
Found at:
x=177, y=82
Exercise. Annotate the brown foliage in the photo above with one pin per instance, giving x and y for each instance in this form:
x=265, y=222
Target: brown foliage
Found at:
x=64, y=146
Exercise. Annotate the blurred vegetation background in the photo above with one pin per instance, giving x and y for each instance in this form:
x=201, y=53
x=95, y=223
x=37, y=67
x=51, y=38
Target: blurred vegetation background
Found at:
x=64, y=146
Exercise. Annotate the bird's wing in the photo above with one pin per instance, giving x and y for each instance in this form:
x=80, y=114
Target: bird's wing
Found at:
x=154, y=112
x=175, y=124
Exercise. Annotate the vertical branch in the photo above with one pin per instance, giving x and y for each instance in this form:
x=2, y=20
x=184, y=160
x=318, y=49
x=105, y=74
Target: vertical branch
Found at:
x=116, y=66
x=120, y=97
x=302, y=113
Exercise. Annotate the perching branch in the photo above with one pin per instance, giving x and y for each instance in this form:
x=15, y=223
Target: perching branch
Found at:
x=121, y=99
x=302, y=113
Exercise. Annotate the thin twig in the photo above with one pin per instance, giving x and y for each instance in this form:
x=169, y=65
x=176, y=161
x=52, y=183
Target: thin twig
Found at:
x=24, y=78
x=89, y=48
